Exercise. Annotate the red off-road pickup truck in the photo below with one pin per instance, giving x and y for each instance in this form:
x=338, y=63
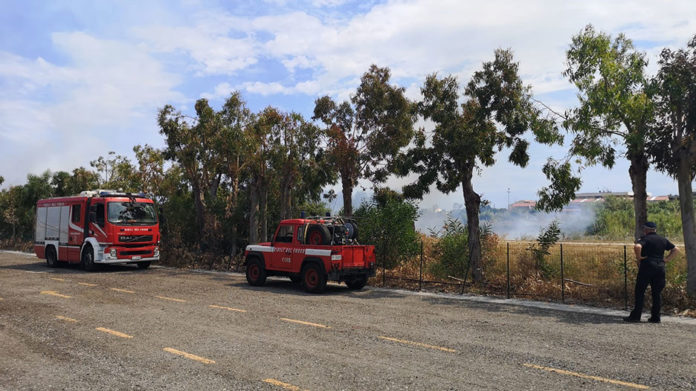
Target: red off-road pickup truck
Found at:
x=312, y=251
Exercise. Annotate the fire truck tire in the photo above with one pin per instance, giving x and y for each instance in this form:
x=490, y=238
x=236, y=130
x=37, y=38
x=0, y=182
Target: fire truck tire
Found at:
x=255, y=272
x=313, y=278
x=143, y=265
x=88, y=259
x=51, y=257
x=357, y=283
x=318, y=234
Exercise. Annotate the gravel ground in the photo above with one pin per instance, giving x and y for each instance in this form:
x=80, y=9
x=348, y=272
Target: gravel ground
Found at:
x=123, y=328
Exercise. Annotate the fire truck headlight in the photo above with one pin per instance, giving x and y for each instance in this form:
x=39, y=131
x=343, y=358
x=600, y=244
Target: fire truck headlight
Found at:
x=113, y=253
x=156, y=252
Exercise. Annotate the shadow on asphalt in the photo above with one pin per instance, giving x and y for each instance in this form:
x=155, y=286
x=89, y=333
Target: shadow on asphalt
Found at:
x=70, y=268
x=287, y=287
x=577, y=318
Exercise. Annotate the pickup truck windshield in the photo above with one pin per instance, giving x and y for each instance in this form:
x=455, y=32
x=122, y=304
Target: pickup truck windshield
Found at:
x=131, y=213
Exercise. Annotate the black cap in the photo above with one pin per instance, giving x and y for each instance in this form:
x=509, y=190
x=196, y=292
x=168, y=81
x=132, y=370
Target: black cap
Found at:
x=650, y=225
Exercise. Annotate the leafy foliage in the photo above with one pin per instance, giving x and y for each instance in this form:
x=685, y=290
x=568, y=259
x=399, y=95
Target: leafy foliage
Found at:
x=451, y=251
x=673, y=137
x=540, y=250
x=499, y=110
x=615, y=103
x=388, y=222
x=365, y=135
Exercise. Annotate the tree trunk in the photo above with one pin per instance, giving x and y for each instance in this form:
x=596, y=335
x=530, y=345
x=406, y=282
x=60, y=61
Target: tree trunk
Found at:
x=253, y=215
x=285, y=192
x=638, y=172
x=472, y=202
x=686, y=203
x=263, y=212
x=347, y=183
x=200, y=214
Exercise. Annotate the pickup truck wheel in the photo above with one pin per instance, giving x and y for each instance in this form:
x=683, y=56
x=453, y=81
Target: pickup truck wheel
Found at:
x=88, y=259
x=51, y=258
x=255, y=273
x=357, y=283
x=318, y=235
x=313, y=278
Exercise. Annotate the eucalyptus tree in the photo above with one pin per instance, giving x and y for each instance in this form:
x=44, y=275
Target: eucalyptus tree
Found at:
x=298, y=161
x=615, y=107
x=497, y=112
x=194, y=143
x=365, y=134
x=672, y=144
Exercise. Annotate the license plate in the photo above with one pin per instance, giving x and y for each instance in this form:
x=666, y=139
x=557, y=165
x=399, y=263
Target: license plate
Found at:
x=136, y=257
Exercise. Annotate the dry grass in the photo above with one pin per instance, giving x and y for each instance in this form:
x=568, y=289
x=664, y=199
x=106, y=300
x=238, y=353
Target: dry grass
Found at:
x=593, y=275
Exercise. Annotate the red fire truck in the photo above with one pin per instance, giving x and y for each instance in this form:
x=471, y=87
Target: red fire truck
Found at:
x=312, y=251
x=97, y=227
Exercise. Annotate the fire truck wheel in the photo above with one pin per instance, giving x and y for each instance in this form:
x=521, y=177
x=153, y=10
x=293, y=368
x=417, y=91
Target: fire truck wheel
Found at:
x=88, y=259
x=313, y=278
x=356, y=283
x=318, y=234
x=143, y=265
x=51, y=258
x=255, y=272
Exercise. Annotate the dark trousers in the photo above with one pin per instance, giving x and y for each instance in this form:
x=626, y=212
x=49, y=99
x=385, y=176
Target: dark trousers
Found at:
x=652, y=274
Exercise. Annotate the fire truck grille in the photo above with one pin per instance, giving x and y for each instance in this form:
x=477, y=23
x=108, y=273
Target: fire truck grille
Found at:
x=139, y=252
x=135, y=238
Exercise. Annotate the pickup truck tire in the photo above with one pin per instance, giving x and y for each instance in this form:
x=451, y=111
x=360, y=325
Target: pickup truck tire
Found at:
x=313, y=278
x=318, y=235
x=352, y=228
x=356, y=283
x=255, y=272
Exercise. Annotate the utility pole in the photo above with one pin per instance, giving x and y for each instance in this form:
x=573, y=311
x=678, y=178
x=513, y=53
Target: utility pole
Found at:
x=508, y=205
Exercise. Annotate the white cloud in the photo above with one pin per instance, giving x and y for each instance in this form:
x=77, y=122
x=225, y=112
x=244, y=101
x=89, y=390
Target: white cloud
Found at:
x=61, y=117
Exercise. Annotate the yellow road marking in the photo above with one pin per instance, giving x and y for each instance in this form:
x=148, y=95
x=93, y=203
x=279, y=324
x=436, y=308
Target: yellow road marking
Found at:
x=282, y=385
x=171, y=299
x=423, y=345
x=581, y=375
x=323, y=326
x=56, y=294
x=86, y=284
x=122, y=290
x=114, y=332
x=189, y=356
x=65, y=318
x=226, y=308
x=57, y=279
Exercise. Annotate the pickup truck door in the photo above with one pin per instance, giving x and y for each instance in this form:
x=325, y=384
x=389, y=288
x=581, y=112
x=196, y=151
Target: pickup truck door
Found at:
x=283, y=245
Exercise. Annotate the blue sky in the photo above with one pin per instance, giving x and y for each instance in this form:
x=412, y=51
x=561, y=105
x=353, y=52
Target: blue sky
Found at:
x=81, y=78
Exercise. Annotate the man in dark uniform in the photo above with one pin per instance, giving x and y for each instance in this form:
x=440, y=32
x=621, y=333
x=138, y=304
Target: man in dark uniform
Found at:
x=650, y=251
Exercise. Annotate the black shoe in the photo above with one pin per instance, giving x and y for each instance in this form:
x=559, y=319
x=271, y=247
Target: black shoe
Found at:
x=654, y=320
x=631, y=320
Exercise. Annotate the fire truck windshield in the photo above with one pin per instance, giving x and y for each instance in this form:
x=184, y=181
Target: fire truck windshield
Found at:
x=131, y=213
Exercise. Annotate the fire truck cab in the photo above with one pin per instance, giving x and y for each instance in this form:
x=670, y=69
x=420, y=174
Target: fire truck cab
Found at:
x=97, y=227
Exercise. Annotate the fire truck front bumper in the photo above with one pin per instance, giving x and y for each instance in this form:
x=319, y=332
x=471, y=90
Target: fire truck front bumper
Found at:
x=119, y=255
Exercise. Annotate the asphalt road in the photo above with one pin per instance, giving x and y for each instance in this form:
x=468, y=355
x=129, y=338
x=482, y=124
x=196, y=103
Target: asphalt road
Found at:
x=123, y=328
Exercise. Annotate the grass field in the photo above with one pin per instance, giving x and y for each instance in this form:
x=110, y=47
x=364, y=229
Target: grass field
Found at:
x=593, y=273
